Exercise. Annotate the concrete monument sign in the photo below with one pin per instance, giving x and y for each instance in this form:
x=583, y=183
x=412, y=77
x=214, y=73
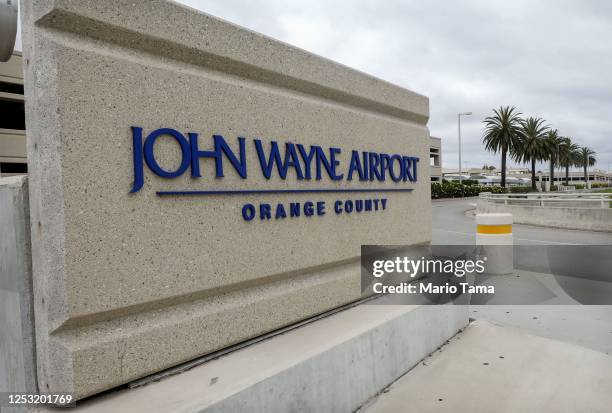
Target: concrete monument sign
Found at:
x=194, y=184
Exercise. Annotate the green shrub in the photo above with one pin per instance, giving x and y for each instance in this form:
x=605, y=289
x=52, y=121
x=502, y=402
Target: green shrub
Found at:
x=452, y=189
x=522, y=189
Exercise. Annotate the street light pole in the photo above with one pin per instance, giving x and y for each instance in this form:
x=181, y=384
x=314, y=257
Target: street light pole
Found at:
x=459, y=134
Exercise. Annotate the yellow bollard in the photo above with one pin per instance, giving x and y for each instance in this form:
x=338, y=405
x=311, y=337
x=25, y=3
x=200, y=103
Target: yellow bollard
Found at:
x=494, y=235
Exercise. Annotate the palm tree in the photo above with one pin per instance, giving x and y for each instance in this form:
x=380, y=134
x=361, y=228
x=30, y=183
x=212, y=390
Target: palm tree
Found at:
x=568, y=156
x=531, y=148
x=501, y=134
x=586, y=158
x=553, y=144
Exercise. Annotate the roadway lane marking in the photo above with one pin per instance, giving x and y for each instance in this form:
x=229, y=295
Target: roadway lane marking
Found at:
x=550, y=242
x=467, y=234
x=454, y=232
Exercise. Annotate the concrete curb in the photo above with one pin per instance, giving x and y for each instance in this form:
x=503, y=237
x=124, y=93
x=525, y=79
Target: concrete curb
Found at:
x=333, y=365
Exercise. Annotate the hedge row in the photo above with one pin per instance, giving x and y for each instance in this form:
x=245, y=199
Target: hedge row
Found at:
x=446, y=189
x=594, y=185
x=522, y=189
x=453, y=189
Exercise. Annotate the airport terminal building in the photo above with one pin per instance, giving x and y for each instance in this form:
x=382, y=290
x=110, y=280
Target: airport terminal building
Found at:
x=522, y=176
x=435, y=158
x=12, y=122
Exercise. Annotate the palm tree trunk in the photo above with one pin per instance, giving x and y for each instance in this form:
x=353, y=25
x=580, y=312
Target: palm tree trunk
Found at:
x=586, y=177
x=551, y=178
x=533, y=177
x=503, y=168
x=566, y=174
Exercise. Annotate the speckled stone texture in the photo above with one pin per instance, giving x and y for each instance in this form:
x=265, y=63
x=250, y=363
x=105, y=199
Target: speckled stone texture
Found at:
x=129, y=284
x=17, y=365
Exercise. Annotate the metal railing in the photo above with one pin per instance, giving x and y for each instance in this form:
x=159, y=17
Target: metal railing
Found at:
x=561, y=200
x=563, y=188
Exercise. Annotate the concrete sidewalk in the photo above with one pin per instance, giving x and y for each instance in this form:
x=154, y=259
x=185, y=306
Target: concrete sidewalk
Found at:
x=498, y=369
x=587, y=326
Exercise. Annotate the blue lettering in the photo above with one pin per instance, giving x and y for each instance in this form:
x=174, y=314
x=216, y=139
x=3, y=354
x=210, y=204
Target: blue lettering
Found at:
x=394, y=177
x=374, y=164
x=308, y=209
x=291, y=160
x=367, y=165
x=221, y=147
x=267, y=165
x=355, y=166
x=307, y=157
x=321, y=208
x=265, y=211
x=407, y=161
x=384, y=165
x=294, y=209
x=138, y=166
x=149, y=156
x=248, y=212
x=280, y=212
x=330, y=165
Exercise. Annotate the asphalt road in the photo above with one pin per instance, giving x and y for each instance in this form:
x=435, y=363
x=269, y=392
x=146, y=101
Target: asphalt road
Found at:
x=451, y=226
x=589, y=326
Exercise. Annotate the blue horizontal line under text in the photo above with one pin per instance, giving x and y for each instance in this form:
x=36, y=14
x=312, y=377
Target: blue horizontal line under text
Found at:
x=279, y=191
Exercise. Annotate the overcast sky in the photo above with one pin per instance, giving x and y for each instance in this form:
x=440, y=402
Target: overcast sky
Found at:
x=550, y=58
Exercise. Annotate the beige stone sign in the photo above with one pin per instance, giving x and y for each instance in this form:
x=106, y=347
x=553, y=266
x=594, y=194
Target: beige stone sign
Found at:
x=144, y=256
